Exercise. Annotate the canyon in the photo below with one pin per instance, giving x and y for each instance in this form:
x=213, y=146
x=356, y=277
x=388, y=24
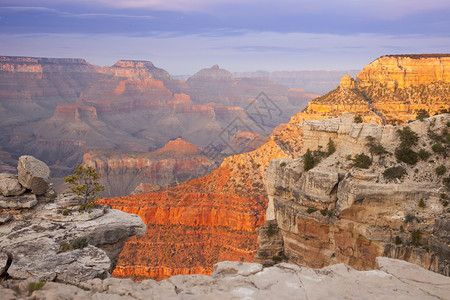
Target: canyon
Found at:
x=61, y=109
x=237, y=189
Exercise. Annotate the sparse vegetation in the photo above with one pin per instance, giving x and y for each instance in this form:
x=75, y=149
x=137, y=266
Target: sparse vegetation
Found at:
x=406, y=155
x=424, y=154
x=283, y=164
x=398, y=240
x=409, y=218
x=438, y=148
x=311, y=210
x=416, y=236
x=84, y=183
x=358, y=119
x=422, y=114
x=362, y=161
x=331, y=147
x=421, y=203
x=441, y=170
x=308, y=160
x=270, y=230
x=408, y=138
x=76, y=243
x=396, y=172
x=375, y=148
x=403, y=152
x=35, y=286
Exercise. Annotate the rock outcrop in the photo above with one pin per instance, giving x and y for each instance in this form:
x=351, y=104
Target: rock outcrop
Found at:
x=50, y=237
x=392, y=279
x=390, y=90
x=337, y=212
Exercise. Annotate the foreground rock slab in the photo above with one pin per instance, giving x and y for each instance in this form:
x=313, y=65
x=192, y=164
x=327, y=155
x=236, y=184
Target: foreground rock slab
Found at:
x=394, y=279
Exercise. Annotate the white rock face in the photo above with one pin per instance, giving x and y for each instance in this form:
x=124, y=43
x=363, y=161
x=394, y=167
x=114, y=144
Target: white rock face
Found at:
x=34, y=174
x=56, y=241
x=10, y=186
x=234, y=280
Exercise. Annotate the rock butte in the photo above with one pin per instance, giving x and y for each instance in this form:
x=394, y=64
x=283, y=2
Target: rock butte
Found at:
x=238, y=186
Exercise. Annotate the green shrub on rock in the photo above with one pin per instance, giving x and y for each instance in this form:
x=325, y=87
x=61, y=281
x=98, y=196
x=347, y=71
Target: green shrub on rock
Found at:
x=394, y=173
x=406, y=155
x=362, y=161
x=441, y=170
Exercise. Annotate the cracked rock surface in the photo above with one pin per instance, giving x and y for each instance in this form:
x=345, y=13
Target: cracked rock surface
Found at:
x=394, y=279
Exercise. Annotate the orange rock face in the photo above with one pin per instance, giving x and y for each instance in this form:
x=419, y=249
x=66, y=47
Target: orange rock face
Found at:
x=195, y=224
x=401, y=71
x=390, y=90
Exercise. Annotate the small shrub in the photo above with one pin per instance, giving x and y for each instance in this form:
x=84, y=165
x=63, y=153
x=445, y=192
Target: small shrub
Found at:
x=416, y=236
x=424, y=154
x=406, y=155
x=331, y=147
x=402, y=229
x=271, y=230
x=394, y=172
x=65, y=247
x=409, y=218
x=35, y=286
x=324, y=212
x=79, y=242
x=348, y=157
x=308, y=160
x=398, y=240
x=441, y=170
x=438, y=148
x=446, y=182
x=362, y=161
x=421, y=203
x=375, y=148
x=422, y=114
x=283, y=164
x=408, y=138
x=358, y=119
x=65, y=212
x=311, y=210
x=445, y=203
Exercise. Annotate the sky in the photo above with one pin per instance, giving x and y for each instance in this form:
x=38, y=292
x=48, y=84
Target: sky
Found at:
x=183, y=36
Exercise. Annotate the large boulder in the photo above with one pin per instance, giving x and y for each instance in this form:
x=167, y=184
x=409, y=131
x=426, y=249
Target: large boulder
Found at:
x=10, y=186
x=34, y=174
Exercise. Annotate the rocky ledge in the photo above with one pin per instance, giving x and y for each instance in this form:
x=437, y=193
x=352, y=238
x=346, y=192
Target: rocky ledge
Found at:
x=393, y=279
x=45, y=237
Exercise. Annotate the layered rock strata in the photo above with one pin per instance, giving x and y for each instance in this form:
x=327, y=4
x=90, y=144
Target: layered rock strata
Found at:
x=122, y=172
x=48, y=237
x=391, y=89
x=337, y=212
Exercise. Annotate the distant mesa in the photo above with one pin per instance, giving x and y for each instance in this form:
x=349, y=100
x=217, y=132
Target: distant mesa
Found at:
x=213, y=73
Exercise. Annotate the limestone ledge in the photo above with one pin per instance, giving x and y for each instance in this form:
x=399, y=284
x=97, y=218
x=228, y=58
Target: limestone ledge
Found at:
x=392, y=279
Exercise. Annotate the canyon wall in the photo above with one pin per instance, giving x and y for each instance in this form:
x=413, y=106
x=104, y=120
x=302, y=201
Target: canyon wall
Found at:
x=242, y=176
x=390, y=90
x=336, y=212
x=122, y=172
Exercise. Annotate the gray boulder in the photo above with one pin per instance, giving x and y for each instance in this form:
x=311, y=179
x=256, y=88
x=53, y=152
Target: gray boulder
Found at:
x=10, y=186
x=34, y=174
